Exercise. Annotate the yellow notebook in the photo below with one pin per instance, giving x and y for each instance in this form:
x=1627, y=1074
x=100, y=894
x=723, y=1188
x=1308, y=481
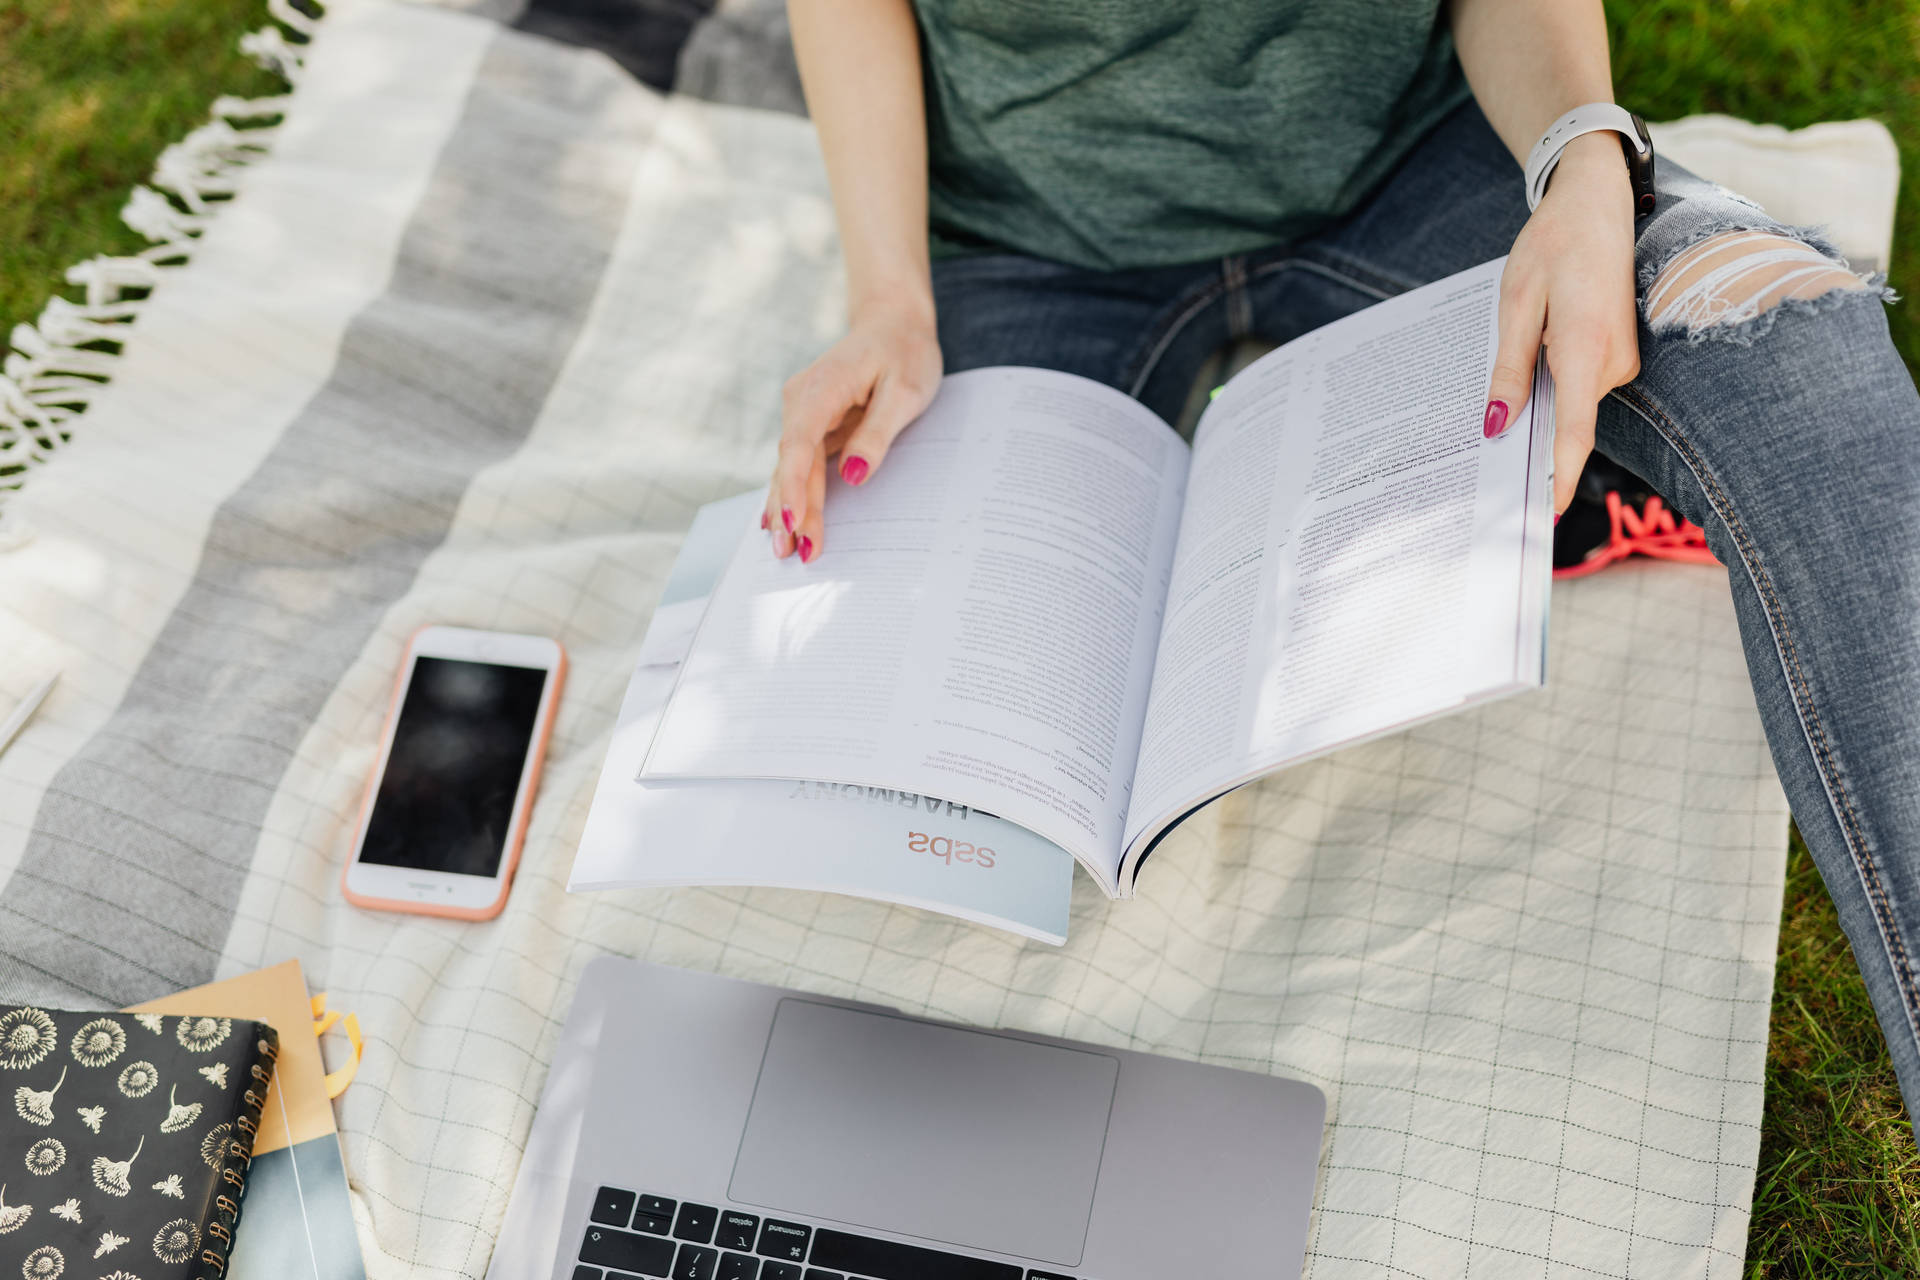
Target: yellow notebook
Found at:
x=298, y=1223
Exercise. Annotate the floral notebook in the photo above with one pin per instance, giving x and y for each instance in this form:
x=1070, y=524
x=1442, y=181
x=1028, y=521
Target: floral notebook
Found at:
x=125, y=1140
x=299, y=1216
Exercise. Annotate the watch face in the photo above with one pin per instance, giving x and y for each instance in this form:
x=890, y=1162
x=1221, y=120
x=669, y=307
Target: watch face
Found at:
x=1640, y=168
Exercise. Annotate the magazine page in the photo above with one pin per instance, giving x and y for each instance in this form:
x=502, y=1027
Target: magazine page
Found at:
x=981, y=624
x=889, y=845
x=1355, y=554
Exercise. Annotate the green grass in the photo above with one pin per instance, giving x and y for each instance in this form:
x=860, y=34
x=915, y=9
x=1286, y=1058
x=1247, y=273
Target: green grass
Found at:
x=90, y=93
x=1838, y=1192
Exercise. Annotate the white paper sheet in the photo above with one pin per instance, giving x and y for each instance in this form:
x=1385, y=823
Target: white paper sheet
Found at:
x=983, y=619
x=1355, y=555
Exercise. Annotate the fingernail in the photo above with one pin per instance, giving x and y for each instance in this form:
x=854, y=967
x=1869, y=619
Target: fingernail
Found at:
x=853, y=470
x=1496, y=418
x=1556, y=517
x=806, y=549
x=763, y=520
x=786, y=518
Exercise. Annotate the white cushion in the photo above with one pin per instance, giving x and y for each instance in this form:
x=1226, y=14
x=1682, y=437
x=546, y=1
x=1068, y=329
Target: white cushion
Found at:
x=1842, y=175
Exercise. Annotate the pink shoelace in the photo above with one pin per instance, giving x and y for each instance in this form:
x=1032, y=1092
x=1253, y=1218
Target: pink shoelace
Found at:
x=1653, y=530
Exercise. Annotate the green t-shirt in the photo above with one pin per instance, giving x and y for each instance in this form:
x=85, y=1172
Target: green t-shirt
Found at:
x=1131, y=133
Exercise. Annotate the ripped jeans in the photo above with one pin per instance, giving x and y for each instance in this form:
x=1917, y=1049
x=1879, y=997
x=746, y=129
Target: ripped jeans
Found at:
x=1771, y=409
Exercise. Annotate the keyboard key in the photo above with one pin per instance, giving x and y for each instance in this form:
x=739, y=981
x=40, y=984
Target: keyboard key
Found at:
x=695, y=1222
x=737, y=1230
x=772, y=1270
x=658, y=1206
x=654, y=1224
x=885, y=1260
x=816, y=1274
x=624, y=1251
x=785, y=1240
x=738, y=1266
x=695, y=1263
x=612, y=1206
x=1046, y=1275
x=588, y=1273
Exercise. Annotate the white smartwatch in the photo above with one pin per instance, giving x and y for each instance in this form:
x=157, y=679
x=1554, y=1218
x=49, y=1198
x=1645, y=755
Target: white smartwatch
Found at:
x=1595, y=117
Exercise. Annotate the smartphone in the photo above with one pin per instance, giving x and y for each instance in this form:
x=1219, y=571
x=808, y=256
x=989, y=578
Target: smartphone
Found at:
x=446, y=808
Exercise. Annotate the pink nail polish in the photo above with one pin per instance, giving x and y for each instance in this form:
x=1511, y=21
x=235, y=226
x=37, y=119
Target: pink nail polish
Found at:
x=806, y=549
x=786, y=518
x=763, y=520
x=853, y=469
x=1496, y=419
x=1556, y=517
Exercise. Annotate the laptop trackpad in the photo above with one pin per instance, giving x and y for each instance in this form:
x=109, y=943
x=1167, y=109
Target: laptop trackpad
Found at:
x=958, y=1137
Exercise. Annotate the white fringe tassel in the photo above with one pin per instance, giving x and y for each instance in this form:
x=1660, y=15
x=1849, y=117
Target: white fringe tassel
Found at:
x=52, y=374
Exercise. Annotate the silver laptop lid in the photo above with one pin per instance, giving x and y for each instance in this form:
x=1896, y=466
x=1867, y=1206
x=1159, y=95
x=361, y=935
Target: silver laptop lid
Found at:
x=860, y=1124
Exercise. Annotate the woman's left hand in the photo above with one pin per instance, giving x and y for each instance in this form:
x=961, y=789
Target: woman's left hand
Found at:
x=1569, y=285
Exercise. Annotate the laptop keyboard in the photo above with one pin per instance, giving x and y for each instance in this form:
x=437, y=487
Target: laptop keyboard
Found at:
x=633, y=1234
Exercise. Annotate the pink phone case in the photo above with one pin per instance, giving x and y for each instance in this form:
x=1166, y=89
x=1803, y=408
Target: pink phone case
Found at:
x=515, y=837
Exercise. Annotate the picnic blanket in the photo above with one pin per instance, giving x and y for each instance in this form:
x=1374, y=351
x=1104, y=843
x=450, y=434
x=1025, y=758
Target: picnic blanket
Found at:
x=494, y=314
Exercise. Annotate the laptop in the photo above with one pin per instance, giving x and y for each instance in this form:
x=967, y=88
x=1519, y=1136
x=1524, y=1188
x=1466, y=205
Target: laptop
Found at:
x=703, y=1128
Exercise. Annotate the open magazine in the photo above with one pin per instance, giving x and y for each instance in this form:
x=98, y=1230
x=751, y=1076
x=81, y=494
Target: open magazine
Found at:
x=1049, y=608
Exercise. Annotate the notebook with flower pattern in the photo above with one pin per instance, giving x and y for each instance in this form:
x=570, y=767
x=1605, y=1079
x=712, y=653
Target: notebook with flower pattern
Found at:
x=124, y=1141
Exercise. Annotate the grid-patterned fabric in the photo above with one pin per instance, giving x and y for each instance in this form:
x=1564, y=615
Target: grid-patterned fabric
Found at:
x=1527, y=951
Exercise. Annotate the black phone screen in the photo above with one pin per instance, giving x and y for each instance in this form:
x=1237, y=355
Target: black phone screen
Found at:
x=459, y=746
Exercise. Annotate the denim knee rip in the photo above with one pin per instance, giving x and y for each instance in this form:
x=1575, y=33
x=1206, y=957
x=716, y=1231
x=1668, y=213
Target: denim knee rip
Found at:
x=1729, y=283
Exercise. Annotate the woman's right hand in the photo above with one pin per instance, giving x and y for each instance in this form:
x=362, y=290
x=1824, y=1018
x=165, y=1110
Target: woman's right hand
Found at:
x=850, y=403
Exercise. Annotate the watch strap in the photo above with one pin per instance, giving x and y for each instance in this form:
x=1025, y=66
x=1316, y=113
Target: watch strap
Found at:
x=1594, y=117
